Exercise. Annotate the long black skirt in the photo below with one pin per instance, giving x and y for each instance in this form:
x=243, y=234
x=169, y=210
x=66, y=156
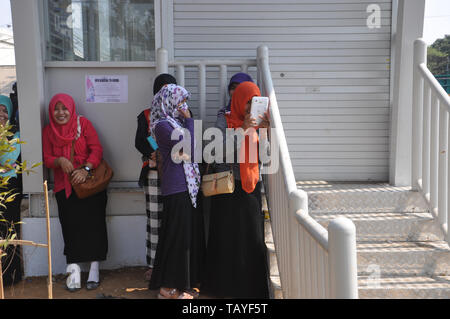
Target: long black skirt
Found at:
x=83, y=226
x=181, y=245
x=236, y=263
x=12, y=261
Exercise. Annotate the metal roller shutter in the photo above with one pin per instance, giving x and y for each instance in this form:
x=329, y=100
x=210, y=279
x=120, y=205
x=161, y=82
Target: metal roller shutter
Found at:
x=331, y=75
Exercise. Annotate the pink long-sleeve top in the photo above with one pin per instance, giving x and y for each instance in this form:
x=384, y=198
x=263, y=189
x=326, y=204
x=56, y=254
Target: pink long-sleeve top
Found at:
x=87, y=150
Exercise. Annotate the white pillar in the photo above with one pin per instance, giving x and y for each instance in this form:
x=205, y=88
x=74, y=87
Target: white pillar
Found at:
x=223, y=85
x=409, y=27
x=342, y=258
x=162, y=61
x=298, y=201
x=420, y=56
x=180, y=75
x=202, y=90
x=30, y=85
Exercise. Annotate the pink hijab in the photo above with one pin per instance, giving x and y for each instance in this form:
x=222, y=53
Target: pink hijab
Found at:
x=62, y=135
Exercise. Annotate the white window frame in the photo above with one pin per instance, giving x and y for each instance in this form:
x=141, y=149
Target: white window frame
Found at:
x=162, y=35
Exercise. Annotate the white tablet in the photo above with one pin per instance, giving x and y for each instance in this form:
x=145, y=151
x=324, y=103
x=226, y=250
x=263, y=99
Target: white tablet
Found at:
x=260, y=104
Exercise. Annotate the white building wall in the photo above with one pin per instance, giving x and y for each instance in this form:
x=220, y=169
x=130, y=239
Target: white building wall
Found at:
x=331, y=74
x=126, y=245
x=7, y=47
x=7, y=78
x=116, y=125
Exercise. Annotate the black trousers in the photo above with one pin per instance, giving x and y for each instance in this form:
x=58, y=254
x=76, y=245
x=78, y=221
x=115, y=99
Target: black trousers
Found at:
x=181, y=245
x=236, y=262
x=83, y=226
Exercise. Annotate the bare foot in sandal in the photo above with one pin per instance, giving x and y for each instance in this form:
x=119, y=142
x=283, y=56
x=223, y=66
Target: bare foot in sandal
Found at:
x=167, y=293
x=195, y=292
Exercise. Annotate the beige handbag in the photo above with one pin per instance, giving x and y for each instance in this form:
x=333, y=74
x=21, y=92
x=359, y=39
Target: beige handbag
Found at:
x=217, y=183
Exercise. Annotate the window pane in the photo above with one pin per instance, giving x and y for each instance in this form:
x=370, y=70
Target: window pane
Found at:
x=100, y=30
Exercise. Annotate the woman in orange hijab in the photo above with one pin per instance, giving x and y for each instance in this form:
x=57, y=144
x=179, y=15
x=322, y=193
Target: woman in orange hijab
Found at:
x=236, y=255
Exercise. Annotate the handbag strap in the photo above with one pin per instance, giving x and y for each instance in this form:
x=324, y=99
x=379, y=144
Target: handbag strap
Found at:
x=72, y=150
x=207, y=168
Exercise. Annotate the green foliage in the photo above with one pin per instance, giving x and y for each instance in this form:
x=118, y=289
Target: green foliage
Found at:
x=439, y=56
x=6, y=196
x=442, y=45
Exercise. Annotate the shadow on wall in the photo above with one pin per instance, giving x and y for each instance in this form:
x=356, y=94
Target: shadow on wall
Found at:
x=7, y=78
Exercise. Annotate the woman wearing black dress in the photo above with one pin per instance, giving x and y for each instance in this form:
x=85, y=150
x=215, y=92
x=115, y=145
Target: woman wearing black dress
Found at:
x=236, y=264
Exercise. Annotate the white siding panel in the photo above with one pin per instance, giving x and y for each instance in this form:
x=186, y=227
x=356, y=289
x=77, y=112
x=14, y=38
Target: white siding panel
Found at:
x=331, y=75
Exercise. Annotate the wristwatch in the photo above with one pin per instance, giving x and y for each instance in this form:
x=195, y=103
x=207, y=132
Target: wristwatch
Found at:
x=87, y=169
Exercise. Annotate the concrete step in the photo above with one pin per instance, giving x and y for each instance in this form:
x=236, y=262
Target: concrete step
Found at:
x=404, y=258
x=268, y=237
x=272, y=258
x=275, y=284
x=274, y=276
x=265, y=207
x=274, y=281
x=402, y=287
x=389, y=226
x=347, y=197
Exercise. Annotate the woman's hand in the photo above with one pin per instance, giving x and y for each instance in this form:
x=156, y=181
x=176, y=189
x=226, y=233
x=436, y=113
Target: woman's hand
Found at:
x=65, y=164
x=249, y=121
x=185, y=113
x=265, y=122
x=79, y=176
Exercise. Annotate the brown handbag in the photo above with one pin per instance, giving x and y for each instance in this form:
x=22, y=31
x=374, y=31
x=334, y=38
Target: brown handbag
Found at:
x=217, y=183
x=97, y=180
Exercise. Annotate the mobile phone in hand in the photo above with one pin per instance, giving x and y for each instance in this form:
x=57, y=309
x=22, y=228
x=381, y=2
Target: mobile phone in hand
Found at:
x=152, y=143
x=260, y=104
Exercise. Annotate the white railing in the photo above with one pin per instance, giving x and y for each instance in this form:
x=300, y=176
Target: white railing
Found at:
x=430, y=129
x=163, y=64
x=313, y=262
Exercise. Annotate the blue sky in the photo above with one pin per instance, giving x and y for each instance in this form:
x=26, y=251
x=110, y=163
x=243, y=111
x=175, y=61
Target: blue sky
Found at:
x=437, y=18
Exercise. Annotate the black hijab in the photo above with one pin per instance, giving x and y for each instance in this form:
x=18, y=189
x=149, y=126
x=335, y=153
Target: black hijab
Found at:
x=162, y=80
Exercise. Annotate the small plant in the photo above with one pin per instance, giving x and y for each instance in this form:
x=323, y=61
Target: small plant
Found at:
x=7, y=145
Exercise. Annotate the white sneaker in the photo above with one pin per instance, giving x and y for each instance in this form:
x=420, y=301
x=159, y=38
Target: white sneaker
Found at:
x=73, y=282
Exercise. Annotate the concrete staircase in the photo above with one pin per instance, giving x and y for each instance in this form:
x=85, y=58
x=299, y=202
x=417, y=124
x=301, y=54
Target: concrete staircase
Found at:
x=400, y=248
x=274, y=281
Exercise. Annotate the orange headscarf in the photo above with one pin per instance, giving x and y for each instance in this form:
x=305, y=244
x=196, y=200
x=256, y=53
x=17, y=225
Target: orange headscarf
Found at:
x=249, y=171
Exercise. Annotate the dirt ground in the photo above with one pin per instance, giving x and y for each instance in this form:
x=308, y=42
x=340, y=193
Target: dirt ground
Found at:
x=124, y=283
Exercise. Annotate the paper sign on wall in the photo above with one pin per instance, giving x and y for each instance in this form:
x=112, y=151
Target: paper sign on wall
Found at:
x=106, y=88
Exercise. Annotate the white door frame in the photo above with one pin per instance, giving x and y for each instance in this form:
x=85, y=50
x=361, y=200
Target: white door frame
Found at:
x=29, y=41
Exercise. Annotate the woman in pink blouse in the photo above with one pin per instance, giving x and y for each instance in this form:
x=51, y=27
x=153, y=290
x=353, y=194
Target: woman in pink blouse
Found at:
x=82, y=220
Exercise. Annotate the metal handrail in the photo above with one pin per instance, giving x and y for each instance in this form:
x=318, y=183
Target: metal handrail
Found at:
x=294, y=227
x=430, y=139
